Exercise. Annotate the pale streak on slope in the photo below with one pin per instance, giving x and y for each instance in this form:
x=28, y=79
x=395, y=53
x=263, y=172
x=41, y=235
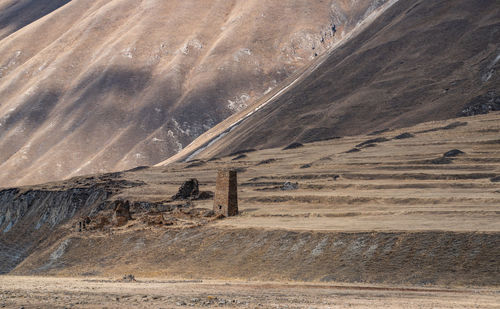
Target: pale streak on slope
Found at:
x=215, y=134
x=78, y=53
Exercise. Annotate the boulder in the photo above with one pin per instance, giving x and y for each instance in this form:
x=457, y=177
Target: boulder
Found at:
x=128, y=278
x=293, y=146
x=205, y=195
x=453, y=153
x=404, y=135
x=188, y=190
x=290, y=186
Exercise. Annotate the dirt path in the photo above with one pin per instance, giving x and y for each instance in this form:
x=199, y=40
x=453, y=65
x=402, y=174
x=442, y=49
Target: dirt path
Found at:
x=43, y=292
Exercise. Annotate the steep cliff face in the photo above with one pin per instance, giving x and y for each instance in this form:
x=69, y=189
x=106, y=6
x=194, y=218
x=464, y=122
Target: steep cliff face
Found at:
x=94, y=86
x=28, y=218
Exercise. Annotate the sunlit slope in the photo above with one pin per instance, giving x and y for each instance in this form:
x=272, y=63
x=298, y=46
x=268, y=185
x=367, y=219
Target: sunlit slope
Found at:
x=90, y=86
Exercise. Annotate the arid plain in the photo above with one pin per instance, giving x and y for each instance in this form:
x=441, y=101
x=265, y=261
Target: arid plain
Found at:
x=36, y=292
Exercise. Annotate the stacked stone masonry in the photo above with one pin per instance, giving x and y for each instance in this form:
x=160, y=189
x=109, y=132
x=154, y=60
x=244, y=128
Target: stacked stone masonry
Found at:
x=226, y=193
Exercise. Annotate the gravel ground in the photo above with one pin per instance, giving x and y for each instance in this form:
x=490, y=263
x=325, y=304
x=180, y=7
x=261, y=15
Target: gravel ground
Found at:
x=44, y=292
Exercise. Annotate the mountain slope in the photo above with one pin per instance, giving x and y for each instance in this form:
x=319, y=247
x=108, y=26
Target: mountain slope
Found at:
x=420, y=61
x=96, y=86
x=404, y=210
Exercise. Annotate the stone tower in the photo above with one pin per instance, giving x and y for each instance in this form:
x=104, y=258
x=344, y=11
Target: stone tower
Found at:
x=226, y=193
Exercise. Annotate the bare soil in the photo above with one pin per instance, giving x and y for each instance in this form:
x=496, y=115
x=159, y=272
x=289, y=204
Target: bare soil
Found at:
x=46, y=292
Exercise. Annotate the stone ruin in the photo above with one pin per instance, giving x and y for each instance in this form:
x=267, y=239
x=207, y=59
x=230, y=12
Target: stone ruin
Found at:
x=120, y=216
x=189, y=190
x=82, y=224
x=117, y=213
x=226, y=193
x=121, y=213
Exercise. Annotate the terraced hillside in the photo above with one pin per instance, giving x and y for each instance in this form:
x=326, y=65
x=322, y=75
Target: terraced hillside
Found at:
x=397, y=180
x=412, y=206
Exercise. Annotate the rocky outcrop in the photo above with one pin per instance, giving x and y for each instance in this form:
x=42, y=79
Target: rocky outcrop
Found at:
x=482, y=104
x=287, y=186
x=28, y=217
x=189, y=189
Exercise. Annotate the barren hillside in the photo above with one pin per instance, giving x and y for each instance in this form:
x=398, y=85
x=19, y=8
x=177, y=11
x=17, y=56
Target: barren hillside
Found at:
x=419, y=61
x=415, y=206
x=365, y=136
x=94, y=86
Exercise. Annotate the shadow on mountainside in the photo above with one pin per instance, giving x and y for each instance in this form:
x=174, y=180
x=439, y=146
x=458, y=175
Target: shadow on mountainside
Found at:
x=142, y=113
x=22, y=13
x=18, y=125
x=427, y=65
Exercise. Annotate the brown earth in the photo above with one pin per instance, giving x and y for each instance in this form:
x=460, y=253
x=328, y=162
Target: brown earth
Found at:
x=96, y=86
x=402, y=217
x=394, y=212
x=37, y=292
